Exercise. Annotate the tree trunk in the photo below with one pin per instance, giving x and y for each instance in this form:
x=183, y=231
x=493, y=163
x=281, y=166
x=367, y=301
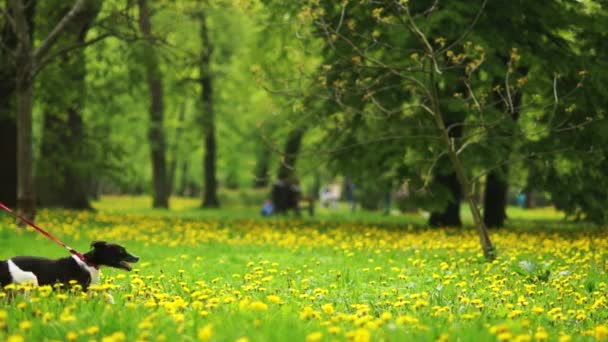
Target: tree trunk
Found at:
x=27, y=62
x=26, y=200
x=24, y=62
x=183, y=185
x=156, y=136
x=290, y=154
x=530, y=200
x=495, y=198
x=8, y=122
x=8, y=155
x=497, y=186
x=210, y=199
x=262, y=167
x=64, y=175
x=450, y=216
x=488, y=249
x=175, y=149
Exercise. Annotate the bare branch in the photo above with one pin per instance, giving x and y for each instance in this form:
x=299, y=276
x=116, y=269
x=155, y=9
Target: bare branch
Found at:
x=49, y=58
x=467, y=31
x=52, y=38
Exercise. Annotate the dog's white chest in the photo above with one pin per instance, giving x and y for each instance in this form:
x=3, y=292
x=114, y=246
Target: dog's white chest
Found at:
x=93, y=272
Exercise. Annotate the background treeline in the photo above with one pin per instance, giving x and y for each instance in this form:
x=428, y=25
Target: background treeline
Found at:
x=197, y=98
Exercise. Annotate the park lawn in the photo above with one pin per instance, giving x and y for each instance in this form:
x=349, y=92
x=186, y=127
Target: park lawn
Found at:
x=246, y=278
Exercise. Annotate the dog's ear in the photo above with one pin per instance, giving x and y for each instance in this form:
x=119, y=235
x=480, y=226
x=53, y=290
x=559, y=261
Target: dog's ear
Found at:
x=98, y=244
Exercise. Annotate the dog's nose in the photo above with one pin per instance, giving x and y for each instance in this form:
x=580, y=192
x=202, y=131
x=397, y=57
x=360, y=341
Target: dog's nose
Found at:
x=134, y=258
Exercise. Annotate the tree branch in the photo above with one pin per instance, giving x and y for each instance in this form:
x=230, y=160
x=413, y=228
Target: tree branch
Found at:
x=52, y=38
x=49, y=58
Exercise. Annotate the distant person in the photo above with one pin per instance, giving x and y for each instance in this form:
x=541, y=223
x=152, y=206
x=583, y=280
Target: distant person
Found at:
x=267, y=208
x=286, y=196
x=328, y=198
x=520, y=199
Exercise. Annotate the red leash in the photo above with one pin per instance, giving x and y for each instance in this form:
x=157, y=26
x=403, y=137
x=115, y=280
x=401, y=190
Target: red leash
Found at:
x=47, y=234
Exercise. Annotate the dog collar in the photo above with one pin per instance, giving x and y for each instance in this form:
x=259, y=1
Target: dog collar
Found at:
x=84, y=259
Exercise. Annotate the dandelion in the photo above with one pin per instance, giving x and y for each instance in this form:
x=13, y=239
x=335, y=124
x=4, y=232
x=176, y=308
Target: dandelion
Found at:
x=514, y=314
x=118, y=336
x=274, y=299
x=25, y=325
x=258, y=306
x=92, y=330
x=72, y=336
x=600, y=332
x=541, y=334
x=538, y=309
x=314, y=337
x=328, y=308
x=359, y=335
x=406, y=319
x=522, y=338
x=334, y=330
x=15, y=338
x=504, y=336
x=205, y=333
x=308, y=313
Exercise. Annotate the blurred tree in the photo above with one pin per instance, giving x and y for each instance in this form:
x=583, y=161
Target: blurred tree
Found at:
x=63, y=176
x=536, y=42
x=29, y=60
x=290, y=154
x=574, y=129
x=210, y=199
x=8, y=123
x=156, y=135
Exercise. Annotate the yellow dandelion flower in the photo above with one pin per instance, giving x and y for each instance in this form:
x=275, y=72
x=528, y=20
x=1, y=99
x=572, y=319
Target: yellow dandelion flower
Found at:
x=92, y=330
x=25, y=325
x=600, y=332
x=504, y=336
x=328, y=308
x=118, y=336
x=205, y=333
x=15, y=338
x=72, y=336
x=258, y=306
x=522, y=338
x=314, y=337
x=359, y=335
x=541, y=334
x=538, y=309
x=514, y=314
x=274, y=299
x=407, y=319
x=334, y=330
x=443, y=338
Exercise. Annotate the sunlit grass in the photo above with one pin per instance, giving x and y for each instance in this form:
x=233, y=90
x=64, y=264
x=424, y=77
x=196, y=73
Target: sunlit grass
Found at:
x=249, y=278
x=190, y=206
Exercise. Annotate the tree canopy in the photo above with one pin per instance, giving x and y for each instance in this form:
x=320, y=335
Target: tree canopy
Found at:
x=192, y=97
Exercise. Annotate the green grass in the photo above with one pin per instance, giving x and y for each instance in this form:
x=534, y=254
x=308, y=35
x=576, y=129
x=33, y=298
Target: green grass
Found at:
x=224, y=275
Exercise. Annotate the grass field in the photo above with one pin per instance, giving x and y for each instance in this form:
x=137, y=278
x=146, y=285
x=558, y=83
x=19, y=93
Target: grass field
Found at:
x=231, y=276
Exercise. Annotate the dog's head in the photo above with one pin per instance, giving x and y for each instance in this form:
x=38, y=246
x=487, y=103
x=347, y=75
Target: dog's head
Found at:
x=113, y=255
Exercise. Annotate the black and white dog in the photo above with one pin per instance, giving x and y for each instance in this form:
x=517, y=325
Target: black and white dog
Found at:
x=43, y=271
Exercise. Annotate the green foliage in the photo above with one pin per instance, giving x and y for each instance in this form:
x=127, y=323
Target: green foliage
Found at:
x=512, y=91
x=521, y=82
